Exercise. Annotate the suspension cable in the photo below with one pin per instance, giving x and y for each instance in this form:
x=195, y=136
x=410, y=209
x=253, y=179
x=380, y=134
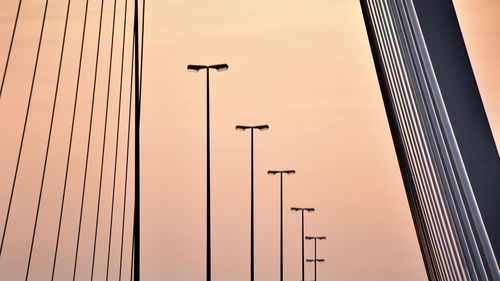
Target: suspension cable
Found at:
x=132, y=258
x=42, y=184
x=117, y=138
x=70, y=139
x=142, y=44
x=127, y=160
x=88, y=143
x=14, y=181
x=10, y=47
x=103, y=143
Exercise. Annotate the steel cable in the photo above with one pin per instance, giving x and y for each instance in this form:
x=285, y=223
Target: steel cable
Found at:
x=127, y=162
x=88, y=143
x=103, y=143
x=42, y=185
x=10, y=47
x=71, y=139
x=14, y=181
x=117, y=138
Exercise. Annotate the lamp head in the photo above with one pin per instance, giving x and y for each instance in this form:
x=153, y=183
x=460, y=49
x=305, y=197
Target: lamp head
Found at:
x=195, y=68
x=303, y=209
x=259, y=127
x=219, y=67
x=274, y=172
x=313, y=260
x=315, y=237
x=262, y=127
x=242, y=128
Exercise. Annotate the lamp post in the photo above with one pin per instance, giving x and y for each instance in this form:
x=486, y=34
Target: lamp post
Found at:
x=196, y=68
x=315, y=260
x=252, y=256
x=295, y=209
x=286, y=172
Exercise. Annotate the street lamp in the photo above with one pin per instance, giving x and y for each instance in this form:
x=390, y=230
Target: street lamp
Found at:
x=315, y=260
x=251, y=128
x=295, y=209
x=196, y=68
x=286, y=172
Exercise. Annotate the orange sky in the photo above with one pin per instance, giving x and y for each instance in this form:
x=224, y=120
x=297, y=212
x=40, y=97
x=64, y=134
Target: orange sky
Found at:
x=304, y=68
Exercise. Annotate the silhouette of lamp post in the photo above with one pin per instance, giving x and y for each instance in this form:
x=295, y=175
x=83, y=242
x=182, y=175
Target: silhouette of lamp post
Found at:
x=315, y=260
x=252, y=256
x=196, y=68
x=286, y=172
x=295, y=209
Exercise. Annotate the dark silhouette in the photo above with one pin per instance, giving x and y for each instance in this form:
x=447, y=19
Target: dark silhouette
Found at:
x=136, y=57
x=196, y=68
x=287, y=172
x=252, y=256
x=295, y=209
x=137, y=198
x=315, y=260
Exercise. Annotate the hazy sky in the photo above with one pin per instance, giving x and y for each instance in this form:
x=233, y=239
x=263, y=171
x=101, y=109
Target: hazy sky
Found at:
x=303, y=67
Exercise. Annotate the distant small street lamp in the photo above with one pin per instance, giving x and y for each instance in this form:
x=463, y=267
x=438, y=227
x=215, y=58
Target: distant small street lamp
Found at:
x=252, y=255
x=295, y=209
x=315, y=260
x=286, y=172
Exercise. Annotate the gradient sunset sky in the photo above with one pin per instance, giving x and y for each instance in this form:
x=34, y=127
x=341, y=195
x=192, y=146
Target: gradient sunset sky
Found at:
x=303, y=67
